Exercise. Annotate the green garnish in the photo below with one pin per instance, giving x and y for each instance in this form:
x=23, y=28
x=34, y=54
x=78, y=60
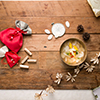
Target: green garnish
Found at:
x=96, y=96
x=76, y=52
x=67, y=53
x=78, y=58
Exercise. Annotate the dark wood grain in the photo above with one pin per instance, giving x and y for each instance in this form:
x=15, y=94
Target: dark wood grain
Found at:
x=37, y=42
x=46, y=8
x=41, y=43
x=39, y=15
x=39, y=24
x=44, y=72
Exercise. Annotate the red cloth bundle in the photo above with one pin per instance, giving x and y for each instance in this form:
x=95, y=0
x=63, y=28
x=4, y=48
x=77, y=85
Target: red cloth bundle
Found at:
x=12, y=58
x=13, y=39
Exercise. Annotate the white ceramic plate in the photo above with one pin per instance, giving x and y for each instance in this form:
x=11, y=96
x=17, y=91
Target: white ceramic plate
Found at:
x=58, y=30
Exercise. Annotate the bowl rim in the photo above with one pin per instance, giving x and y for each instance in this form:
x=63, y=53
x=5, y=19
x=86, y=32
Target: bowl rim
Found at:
x=83, y=46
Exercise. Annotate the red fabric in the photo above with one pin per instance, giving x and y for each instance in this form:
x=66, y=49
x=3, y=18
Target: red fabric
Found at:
x=12, y=38
x=12, y=58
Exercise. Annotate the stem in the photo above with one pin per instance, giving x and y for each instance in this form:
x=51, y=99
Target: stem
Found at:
x=51, y=79
x=41, y=92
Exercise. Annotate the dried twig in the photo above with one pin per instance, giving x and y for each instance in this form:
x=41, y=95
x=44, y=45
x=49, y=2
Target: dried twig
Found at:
x=39, y=96
x=50, y=89
x=77, y=70
x=98, y=55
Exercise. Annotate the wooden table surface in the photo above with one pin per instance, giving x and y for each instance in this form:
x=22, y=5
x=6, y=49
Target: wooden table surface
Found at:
x=39, y=15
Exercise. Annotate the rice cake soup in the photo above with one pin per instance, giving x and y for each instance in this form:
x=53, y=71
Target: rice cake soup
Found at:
x=72, y=52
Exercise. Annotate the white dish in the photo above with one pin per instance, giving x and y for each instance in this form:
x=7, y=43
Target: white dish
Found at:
x=58, y=30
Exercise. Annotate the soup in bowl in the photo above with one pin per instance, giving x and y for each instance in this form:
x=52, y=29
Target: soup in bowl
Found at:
x=73, y=52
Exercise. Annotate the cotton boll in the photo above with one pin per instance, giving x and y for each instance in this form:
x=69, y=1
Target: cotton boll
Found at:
x=47, y=31
x=50, y=37
x=67, y=24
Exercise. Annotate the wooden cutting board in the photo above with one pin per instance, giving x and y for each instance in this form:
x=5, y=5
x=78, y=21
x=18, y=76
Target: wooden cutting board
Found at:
x=39, y=15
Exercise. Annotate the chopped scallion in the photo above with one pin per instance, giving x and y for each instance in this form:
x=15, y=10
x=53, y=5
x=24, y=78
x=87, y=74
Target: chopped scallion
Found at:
x=76, y=52
x=67, y=53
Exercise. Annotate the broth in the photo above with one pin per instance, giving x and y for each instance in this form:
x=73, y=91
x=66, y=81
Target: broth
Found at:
x=72, y=52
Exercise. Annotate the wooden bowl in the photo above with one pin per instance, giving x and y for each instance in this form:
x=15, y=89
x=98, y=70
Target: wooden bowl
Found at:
x=85, y=53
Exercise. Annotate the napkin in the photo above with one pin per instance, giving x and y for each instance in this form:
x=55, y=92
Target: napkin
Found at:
x=95, y=5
